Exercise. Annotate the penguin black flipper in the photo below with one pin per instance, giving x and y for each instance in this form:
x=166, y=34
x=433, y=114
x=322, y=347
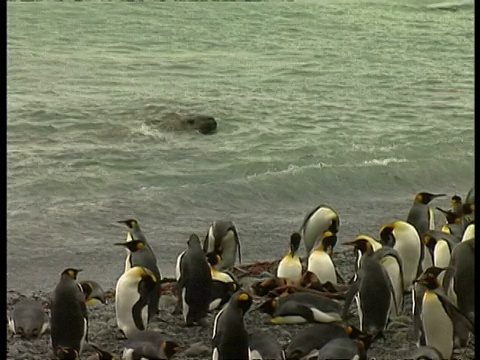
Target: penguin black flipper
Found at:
x=417, y=295
x=459, y=319
x=308, y=216
x=352, y=290
x=294, y=308
x=237, y=240
x=145, y=287
x=382, y=252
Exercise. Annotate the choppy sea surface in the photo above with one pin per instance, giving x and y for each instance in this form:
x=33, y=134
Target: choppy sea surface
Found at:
x=355, y=104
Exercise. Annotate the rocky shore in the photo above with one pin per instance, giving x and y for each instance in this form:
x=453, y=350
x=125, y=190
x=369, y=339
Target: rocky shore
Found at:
x=398, y=342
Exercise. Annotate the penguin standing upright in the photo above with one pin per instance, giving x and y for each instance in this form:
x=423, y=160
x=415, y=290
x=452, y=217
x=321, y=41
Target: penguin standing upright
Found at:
x=143, y=255
x=438, y=313
x=132, y=294
x=461, y=286
x=68, y=316
x=290, y=267
x=440, y=245
x=373, y=293
x=194, y=287
x=230, y=337
x=222, y=238
x=140, y=254
x=391, y=262
x=320, y=262
x=316, y=222
x=421, y=215
x=455, y=224
x=404, y=238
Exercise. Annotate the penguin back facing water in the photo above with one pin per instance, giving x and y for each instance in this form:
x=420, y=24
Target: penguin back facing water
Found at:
x=316, y=221
x=195, y=283
x=68, y=315
x=222, y=238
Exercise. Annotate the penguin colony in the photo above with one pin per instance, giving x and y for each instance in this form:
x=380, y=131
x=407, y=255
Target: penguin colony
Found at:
x=433, y=262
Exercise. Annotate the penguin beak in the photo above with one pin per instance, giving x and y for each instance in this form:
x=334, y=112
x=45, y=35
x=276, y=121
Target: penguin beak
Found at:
x=120, y=244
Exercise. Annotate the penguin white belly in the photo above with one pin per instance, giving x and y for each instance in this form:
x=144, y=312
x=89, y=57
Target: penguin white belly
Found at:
x=290, y=268
x=324, y=317
x=359, y=310
x=441, y=254
x=221, y=276
x=437, y=325
x=320, y=263
x=229, y=251
x=408, y=247
x=11, y=324
x=83, y=341
x=128, y=260
x=185, y=307
x=211, y=240
x=255, y=355
x=392, y=268
x=316, y=225
x=289, y=319
x=469, y=233
x=177, y=265
x=126, y=296
x=215, y=354
x=214, y=304
x=312, y=355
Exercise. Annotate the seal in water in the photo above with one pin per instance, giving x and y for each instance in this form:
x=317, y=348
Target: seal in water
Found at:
x=204, y=124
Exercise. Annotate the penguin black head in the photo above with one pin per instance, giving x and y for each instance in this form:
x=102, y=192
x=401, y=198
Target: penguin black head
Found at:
x=429, y=241
x=133, y=245
x=71, y=272
x=295, y=240
x=170, y=348
x=356, y=334
x=452, y=218
x=268, y=307
x=429, y=277
x=131, y=223
x=102, y=355
x=425, y=197
x=455, y=200
x=386, y=235
x=66, y=353
x=88, y=287
x=329, y=239
x=193, y=238
x=361, y=244
x=243, y=299
x=213, y=258
x=468, y=208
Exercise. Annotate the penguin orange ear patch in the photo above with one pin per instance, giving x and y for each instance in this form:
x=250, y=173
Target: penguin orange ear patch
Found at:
x=71, y=273
x=243, y=296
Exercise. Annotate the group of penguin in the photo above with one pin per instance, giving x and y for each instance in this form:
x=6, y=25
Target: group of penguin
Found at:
x=434, y=264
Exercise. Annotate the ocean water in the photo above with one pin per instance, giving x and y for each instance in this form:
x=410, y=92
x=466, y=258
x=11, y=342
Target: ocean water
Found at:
x=355, y=104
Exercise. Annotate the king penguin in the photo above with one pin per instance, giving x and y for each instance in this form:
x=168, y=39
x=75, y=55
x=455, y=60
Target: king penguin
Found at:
x=391, y=262
x=194, y=286
x=230, y=337
x=440, y=245
x=421, y=215
x=68, y=315
x=290, y=267
x=28, y=319
x=222, y=238
x=437, y=312
x=306, y=344
x=141, y=254
x=461, y=287
x=373, y=293
x=149, y=344
x=93, y=292
x=224, y=284
x=404, y=238
x=264, y=346
x=425, y=353
x=320, y=262
x=132, y=294
x=316, y=222
x=455, y=223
